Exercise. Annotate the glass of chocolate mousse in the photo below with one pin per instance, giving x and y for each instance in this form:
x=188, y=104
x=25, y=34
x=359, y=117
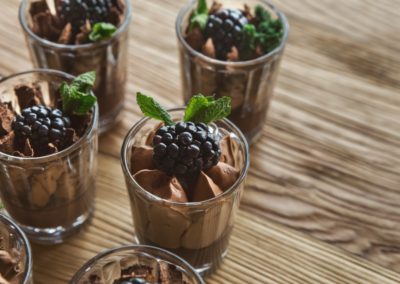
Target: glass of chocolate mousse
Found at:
x=185, y=180
x=48, y=148
x=77, y=36
x=232, y=48
x=15, y=254
x=136, y=264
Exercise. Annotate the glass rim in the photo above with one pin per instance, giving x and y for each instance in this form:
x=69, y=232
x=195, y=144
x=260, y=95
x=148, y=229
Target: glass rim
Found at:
x=28, y=263
x=185, y=9
x=124, y=162
x=60, y=46
x=137, y=248
x=89, y=131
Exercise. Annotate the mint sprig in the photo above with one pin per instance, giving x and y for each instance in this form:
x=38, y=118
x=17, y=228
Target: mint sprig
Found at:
x=267, y=34
x=77, y=97
x=207, y=109
x=101, y=31
x=199, y=109
x=199, y=16
x=249, y=40
x=153, y=109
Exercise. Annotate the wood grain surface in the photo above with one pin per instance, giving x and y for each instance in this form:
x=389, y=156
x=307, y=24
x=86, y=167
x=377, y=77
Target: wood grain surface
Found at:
x=326, y=168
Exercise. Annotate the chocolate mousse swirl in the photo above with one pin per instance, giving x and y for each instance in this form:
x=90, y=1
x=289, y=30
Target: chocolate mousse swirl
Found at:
x=186, y=161
x=208, y=184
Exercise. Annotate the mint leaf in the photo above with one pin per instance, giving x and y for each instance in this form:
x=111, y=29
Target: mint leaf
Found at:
x=85, y=81
x=202, y=7
x=153, y=109
x=86, y=102
x=77, y=97
x=270, y=34
x=261, y=14
x=249, y=41
x=269, y=31
x=195, y=104
x=218, y=109
x=207, y=109
x=101, y=31
x=199, y=20
x=199, y=16
x=267, y=34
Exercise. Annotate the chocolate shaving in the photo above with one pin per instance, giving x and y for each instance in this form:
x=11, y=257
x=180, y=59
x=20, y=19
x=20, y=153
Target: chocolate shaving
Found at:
x=44, y=26
x=70, y=137
x=195, y=39
x=66, y=34
x=247, y=13
x=209, y=49
x=6, y=143
x=115, y=17
x=28, y=96
x=259, y=51
x=214, y=7
x=121, y=6
x=28, y=149
x=80, y=123
x=137, y=270
x=38, y=7
x=6, y=258
x=51, y=149
x=6, y=119
x=169, y=273
x=83, y=36
x=233, y=55
x=18, y=154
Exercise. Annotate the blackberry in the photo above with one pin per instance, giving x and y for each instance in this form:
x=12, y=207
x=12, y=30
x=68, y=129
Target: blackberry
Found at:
x=42, y=125
x=185, y=148
x=77, y=12
x=225, y=27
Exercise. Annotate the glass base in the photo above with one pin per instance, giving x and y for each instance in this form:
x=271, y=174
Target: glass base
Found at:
x=107, y=121
x=210, y=268
x=205, y=269
x=56, y=235
x=253, y=136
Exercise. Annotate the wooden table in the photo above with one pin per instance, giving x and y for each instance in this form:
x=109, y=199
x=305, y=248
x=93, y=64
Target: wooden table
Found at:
x=322, y=200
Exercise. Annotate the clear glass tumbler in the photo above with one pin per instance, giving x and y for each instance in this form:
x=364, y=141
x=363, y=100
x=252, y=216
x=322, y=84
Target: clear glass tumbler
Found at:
x=108, y=265
x=14, y=241
x=249, y=83
x=49, y=196
x=109, y=58
x=196, y=231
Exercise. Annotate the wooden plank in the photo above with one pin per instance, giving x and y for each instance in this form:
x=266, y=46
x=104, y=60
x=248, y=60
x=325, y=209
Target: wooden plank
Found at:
x=327, y=163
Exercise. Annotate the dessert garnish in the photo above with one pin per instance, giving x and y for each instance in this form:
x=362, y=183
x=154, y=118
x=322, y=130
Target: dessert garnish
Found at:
x=39, y=129
x=77, y=21
x=233, y=34
x=183, y=160
x=188, y=146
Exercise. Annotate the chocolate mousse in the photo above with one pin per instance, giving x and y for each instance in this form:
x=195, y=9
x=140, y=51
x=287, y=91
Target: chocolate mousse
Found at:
x=233, y=35
x=183, y=163
x=90, y=35
x=35, y=125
